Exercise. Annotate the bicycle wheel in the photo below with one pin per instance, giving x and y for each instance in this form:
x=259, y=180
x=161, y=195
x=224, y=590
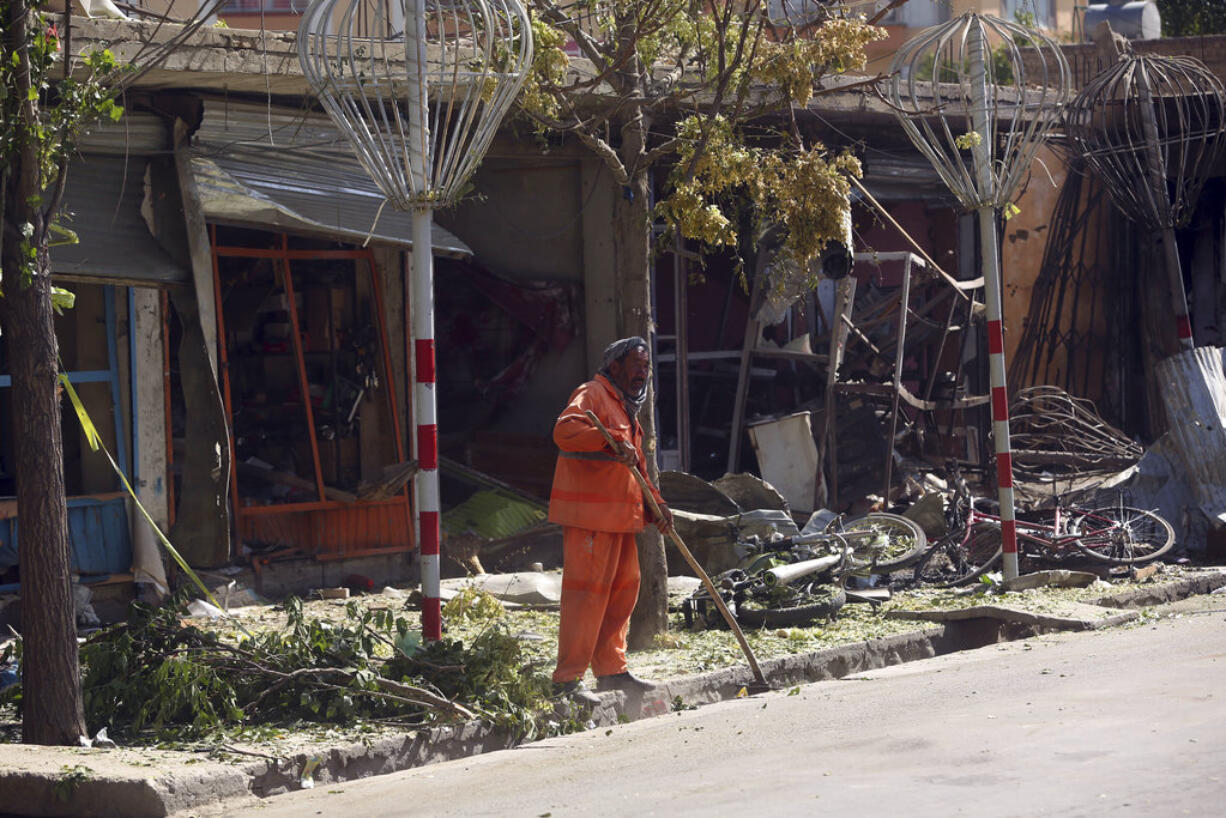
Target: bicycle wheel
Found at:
x=959, y=559
x=1121, y=535
x=813, y=607
x=901, y=540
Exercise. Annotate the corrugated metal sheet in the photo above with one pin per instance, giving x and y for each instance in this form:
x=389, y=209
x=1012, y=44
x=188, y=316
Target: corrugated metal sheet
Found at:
x=493, y=515
x=103, y=198
x=333, y=531
x=1194, y=396
x=292, y=170
x=135, y=134
x=889, y=178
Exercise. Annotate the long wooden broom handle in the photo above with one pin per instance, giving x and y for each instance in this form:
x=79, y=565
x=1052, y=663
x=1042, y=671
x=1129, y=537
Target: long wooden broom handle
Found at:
x=650, y=497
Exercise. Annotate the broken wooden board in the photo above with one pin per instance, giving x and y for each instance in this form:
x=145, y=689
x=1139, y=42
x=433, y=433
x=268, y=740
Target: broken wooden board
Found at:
x=390, y=484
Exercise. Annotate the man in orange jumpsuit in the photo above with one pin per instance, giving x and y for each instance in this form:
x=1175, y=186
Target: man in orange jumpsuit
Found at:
x=600, y=506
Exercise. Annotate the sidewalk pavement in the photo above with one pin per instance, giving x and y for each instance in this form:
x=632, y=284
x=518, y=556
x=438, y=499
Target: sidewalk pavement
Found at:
x=141, y=782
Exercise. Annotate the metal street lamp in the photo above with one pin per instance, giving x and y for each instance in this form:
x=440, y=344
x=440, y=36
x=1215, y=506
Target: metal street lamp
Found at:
x=964, y=86
x=419, y=88
x=1152, y=128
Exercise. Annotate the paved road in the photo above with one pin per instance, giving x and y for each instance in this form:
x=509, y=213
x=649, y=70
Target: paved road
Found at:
x=1126, y=722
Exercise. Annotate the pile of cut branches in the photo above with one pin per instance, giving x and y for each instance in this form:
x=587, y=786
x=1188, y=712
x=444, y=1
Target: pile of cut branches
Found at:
x=159, y=676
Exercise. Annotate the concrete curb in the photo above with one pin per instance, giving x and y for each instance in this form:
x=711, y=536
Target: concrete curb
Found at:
x=1162, y=592
x=136, y=783
x=1070, y=616
x=80, y=781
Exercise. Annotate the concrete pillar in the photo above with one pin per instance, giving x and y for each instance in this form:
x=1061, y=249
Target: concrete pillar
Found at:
x=149, y=446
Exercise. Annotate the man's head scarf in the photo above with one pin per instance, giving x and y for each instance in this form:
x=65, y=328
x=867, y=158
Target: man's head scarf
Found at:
x=615, y=352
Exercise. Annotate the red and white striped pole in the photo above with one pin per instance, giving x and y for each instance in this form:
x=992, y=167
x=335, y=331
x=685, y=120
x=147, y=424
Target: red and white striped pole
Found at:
x=427, y=507
x=1000, y=394
x=990, y=260
x=1179, y=298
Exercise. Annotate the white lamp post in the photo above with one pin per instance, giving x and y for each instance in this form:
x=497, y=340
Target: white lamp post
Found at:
x=419, y=88
x=964, y=86
x=1152, y=128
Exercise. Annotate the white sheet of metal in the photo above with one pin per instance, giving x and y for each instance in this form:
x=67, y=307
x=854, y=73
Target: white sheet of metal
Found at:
x=1194, y=396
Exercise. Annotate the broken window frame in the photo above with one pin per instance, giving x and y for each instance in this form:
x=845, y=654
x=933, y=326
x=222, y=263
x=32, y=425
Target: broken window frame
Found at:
x=326, y=528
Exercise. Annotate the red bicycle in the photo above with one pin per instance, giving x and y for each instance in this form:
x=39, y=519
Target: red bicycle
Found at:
x=1115, y=535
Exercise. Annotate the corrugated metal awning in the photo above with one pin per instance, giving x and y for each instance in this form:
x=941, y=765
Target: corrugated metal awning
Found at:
x=135, y=133
x=906, y=179
x=102, y=205
x=292, y=170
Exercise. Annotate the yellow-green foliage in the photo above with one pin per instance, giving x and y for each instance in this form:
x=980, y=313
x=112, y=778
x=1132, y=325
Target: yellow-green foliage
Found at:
x=703, y=57
x=474, y=605
x=805, y=191
x=724, y=165
x=549, y=64
x=808, y=193
x=793, y=65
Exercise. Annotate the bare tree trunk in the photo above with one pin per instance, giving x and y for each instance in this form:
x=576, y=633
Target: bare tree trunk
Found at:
x=632, y=242
x=52, y=711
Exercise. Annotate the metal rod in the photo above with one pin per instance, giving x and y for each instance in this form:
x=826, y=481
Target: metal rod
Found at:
x=748, y=344
x=959, y=287
x=682, y=347
x=844, y=300
x=304, y=386
x=1156, y=169
x=223, y=365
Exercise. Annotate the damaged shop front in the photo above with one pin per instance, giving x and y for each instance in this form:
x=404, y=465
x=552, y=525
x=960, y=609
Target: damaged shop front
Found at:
x=871, y=352
x=111, y=347
x=308, y=276
x=239, y=342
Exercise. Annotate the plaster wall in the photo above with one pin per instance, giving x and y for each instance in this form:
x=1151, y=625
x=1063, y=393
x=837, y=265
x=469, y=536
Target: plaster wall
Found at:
x=1023, y=241
x=531, y=217
x=151, y=432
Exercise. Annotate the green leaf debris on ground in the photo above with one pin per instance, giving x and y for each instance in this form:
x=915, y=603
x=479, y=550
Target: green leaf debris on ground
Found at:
x=311, y=672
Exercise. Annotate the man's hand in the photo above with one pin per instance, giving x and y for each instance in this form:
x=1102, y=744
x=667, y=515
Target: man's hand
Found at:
x=664, y=521
x=625, y=452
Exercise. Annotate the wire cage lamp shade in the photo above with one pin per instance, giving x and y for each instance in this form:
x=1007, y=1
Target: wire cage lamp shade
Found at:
x=1152, y=128
x=981, y=88
x=979, y=85
x=418, y=86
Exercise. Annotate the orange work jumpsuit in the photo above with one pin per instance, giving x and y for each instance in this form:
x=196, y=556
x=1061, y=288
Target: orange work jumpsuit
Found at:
x=599, y=504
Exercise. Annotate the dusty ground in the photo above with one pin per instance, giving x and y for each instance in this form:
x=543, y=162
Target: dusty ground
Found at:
x=1064, y=724
x=678, y=653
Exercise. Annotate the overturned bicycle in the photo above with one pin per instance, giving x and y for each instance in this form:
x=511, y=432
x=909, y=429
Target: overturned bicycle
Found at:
x=800, y=579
